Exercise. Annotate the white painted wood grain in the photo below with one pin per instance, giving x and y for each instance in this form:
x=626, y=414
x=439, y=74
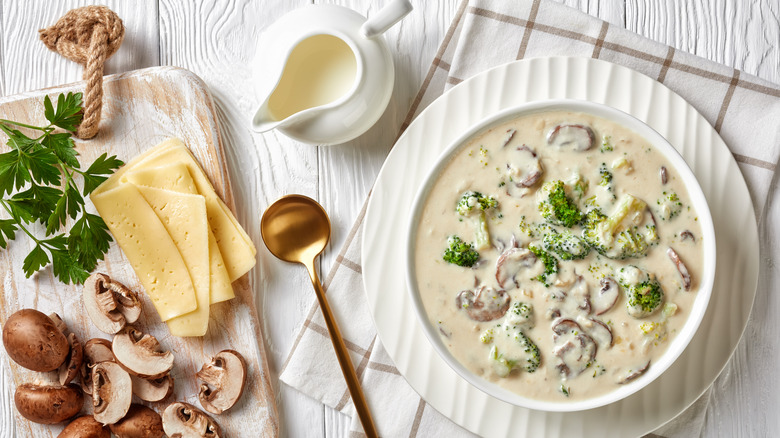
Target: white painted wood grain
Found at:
x=29, y=65
x=612, y=11
x=744, y=34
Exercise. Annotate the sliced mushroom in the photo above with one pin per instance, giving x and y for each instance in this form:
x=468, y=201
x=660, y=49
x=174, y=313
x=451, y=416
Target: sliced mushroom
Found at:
x=524, y=170
x=577, y=138
x=59, y=323
x=575, y=355
x=634, y=374
x=140, y=422
x=510, y=134
x=606, y=297
x=570, y=298
x=681, y=268
x=48, y=404
x=152, y=390
x=510, y=263
x=70, y=368
x=601, y=333
x=141, y=354
x=186, y=421
x=686, y=235
x=112, y=392
x=110, y=304
x=223, y=381
x=96, y=350
x=486, y=304
x=581, y=294
x=565, y=326
x=664, y=175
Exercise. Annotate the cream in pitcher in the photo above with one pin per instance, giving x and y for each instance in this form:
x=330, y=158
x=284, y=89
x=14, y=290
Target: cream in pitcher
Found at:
x=320, y=70
x=324, y=72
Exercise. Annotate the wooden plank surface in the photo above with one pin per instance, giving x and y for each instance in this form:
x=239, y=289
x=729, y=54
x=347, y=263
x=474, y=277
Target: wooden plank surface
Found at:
x=216, y=39
x=140, y=110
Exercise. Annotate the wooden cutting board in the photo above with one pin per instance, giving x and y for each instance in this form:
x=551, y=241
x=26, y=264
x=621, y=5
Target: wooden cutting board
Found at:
x=141, y=109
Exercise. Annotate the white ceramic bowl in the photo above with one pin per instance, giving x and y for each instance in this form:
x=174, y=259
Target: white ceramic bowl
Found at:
x=683, y=337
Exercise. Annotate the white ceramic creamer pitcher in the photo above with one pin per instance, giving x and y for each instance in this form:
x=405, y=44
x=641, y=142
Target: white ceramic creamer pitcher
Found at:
x=324, y=74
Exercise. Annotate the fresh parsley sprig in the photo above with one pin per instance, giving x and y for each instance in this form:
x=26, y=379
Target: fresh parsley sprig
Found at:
x=38, y=184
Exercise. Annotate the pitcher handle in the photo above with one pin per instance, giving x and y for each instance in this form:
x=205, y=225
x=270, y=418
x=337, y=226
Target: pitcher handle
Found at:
x=390, y=14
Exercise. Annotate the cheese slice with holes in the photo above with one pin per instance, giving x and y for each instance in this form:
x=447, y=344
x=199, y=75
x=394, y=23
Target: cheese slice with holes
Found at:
x=238, y=251
x=184, y=217
x=149, y=249
x=176, y=178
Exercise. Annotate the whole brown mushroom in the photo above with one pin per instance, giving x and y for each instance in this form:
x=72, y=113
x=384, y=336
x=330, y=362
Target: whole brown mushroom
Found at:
x=48, y=404
x=85, y=427
x=140, y=422
x=33, y=341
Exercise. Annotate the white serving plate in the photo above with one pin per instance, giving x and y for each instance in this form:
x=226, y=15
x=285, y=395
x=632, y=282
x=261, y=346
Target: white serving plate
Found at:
x=556, y=78
x=678, y=166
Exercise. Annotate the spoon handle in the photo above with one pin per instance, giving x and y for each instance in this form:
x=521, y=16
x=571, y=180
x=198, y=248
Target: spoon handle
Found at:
x=353, y=384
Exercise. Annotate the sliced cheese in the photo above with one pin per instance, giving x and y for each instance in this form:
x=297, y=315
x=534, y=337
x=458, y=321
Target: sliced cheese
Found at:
x=221, y=288
x=149, y=248
x=176, y=177
x=236, y=247
x=184, y=217
x=114, y=180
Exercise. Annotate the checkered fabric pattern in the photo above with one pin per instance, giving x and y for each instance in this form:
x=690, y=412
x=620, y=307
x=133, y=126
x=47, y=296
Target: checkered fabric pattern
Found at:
x=485, y=34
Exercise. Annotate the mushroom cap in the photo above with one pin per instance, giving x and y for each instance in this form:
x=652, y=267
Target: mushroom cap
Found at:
x=140, y=354
x=140, y=422
x=33, y=341
x=185, y=421
x=112, y=392
x=48, y=404
x=85, y=427
x=70, y=368
x=96, y=350
x=109, y=304
x=152, y=390
x=224, y=379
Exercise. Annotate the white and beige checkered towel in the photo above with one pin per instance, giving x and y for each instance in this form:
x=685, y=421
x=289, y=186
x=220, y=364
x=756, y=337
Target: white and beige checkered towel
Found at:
x=733, y=102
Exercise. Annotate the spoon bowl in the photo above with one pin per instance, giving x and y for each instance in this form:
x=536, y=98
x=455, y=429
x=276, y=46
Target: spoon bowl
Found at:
x=295, y=229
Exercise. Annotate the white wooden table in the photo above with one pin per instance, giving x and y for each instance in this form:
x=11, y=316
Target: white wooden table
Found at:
x=216, y=39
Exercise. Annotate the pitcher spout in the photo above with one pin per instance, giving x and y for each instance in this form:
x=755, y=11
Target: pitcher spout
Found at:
x=263, y=120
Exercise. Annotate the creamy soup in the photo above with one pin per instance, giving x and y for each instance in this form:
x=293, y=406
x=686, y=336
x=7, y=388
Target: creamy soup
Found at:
x=558, y=254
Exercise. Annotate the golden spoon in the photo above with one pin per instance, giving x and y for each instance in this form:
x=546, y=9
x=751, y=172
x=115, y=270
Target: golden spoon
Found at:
x=296, y=229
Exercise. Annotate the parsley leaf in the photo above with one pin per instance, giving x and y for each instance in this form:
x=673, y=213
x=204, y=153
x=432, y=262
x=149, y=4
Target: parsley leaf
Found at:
x=63, y=147
x=99, y=171
x=35, y=260
x=7, y=231
x=38, y=183
x=88, y=240
x=67, y=269
x=13, y=174
x=68, y=113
